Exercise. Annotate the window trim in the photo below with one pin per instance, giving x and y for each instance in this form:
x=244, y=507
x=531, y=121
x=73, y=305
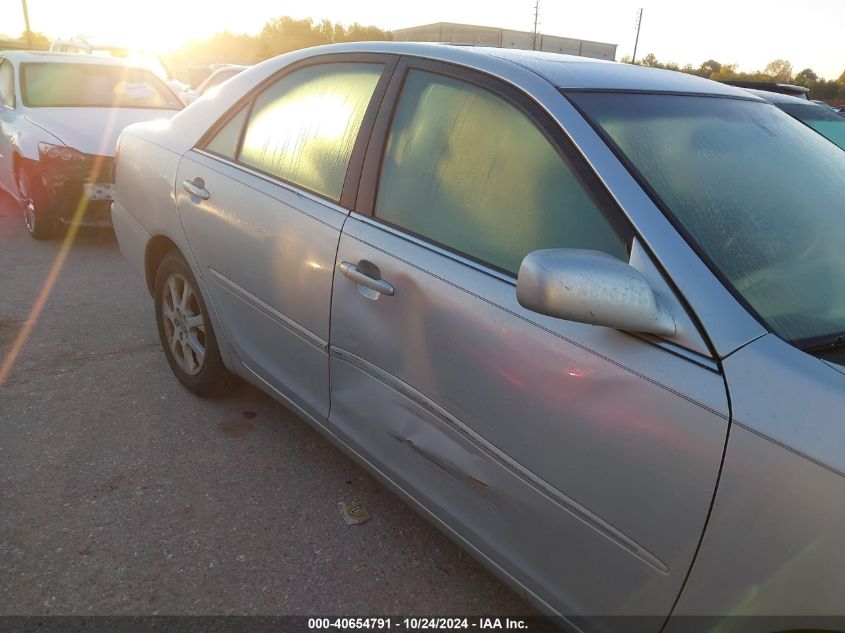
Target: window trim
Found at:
x=349, y=188
x=230, y=114
x=554, y=134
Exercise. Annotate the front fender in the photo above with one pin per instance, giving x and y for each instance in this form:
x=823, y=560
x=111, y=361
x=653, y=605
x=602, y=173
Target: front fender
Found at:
x=774, y=545
x=26, y=136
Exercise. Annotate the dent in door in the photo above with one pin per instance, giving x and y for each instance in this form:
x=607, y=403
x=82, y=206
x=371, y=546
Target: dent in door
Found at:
x=472, y=486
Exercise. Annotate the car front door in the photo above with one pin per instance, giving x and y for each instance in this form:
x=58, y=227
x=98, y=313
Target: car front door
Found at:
x=580, y=460
x=261, y=203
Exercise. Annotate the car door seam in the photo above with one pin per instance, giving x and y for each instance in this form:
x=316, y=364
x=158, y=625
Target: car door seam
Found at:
x=331, y=308
x=289, y=324
x=710, y=508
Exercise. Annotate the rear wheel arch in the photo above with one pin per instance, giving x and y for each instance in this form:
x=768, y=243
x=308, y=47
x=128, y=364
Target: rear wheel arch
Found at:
x=157, y=248
x=185, y=330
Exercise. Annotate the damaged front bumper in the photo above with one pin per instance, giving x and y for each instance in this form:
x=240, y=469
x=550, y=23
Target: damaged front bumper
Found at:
x=80, y=188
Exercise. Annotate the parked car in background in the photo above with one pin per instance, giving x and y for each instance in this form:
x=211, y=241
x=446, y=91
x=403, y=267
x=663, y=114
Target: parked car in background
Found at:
x=149, y=60
x=586, y=317
x=60, y=118
x=818, y=116
x=825, y=105
x=792, y=90
x=216, y=78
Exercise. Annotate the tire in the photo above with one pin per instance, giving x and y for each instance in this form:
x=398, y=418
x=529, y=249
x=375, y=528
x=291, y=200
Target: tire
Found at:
x=37, y=214
x=185, y=330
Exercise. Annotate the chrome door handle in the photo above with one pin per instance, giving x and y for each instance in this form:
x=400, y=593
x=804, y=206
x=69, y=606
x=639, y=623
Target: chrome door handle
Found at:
x=196, y=188
x=350, y=271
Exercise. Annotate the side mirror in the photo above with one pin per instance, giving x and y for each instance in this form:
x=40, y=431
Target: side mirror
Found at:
x=591, y=287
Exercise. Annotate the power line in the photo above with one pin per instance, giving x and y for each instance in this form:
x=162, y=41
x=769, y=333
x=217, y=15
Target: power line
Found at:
x=26, y=23
x=637, y=41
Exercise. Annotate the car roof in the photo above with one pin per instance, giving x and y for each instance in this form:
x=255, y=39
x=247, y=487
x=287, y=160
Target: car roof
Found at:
x=66, y=58
x=562, y=71
x=584, y=73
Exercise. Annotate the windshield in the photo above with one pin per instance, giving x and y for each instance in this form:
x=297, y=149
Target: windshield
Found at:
x=52, y=85
x=760, y=196
x=823, y=120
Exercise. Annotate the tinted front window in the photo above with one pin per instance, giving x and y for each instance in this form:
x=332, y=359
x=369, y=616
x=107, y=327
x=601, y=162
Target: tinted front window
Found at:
x=468, y=170
x=825, y=122
x=303, y=128
x=91, y=85
x=757, y=192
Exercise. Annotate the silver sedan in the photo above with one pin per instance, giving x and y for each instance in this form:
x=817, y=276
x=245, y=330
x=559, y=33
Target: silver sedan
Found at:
x=586, y=317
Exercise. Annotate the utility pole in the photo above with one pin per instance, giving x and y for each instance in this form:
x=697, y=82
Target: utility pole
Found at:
x=26, y=23
x=536, y=15
x=637, y=41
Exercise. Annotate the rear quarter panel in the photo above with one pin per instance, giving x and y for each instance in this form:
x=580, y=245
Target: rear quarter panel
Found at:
x=145, y=179
x=145, y=208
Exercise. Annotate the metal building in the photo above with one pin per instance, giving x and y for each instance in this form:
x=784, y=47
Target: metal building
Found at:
x=469, y=34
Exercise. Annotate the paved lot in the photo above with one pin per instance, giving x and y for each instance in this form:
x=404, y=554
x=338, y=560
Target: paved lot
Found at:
x=122, y=493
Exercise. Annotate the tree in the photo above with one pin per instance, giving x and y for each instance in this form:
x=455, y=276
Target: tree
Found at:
x=332, y=31
x=650, y=60
x=709, y=68
x=779, y=70
x=35, y=39
x=726, y=71
x=806, y=76
x=282, y=35
x=222, y=47
x=360, y=33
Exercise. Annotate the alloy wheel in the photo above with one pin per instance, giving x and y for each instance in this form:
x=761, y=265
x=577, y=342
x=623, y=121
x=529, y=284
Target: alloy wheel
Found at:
x=184, y=325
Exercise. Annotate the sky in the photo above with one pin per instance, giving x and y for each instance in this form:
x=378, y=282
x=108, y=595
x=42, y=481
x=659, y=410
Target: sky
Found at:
x=750, y=33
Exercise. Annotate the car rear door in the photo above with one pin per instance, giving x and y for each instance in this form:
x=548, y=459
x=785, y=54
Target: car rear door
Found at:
x=262, y=202
x=580, y=460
